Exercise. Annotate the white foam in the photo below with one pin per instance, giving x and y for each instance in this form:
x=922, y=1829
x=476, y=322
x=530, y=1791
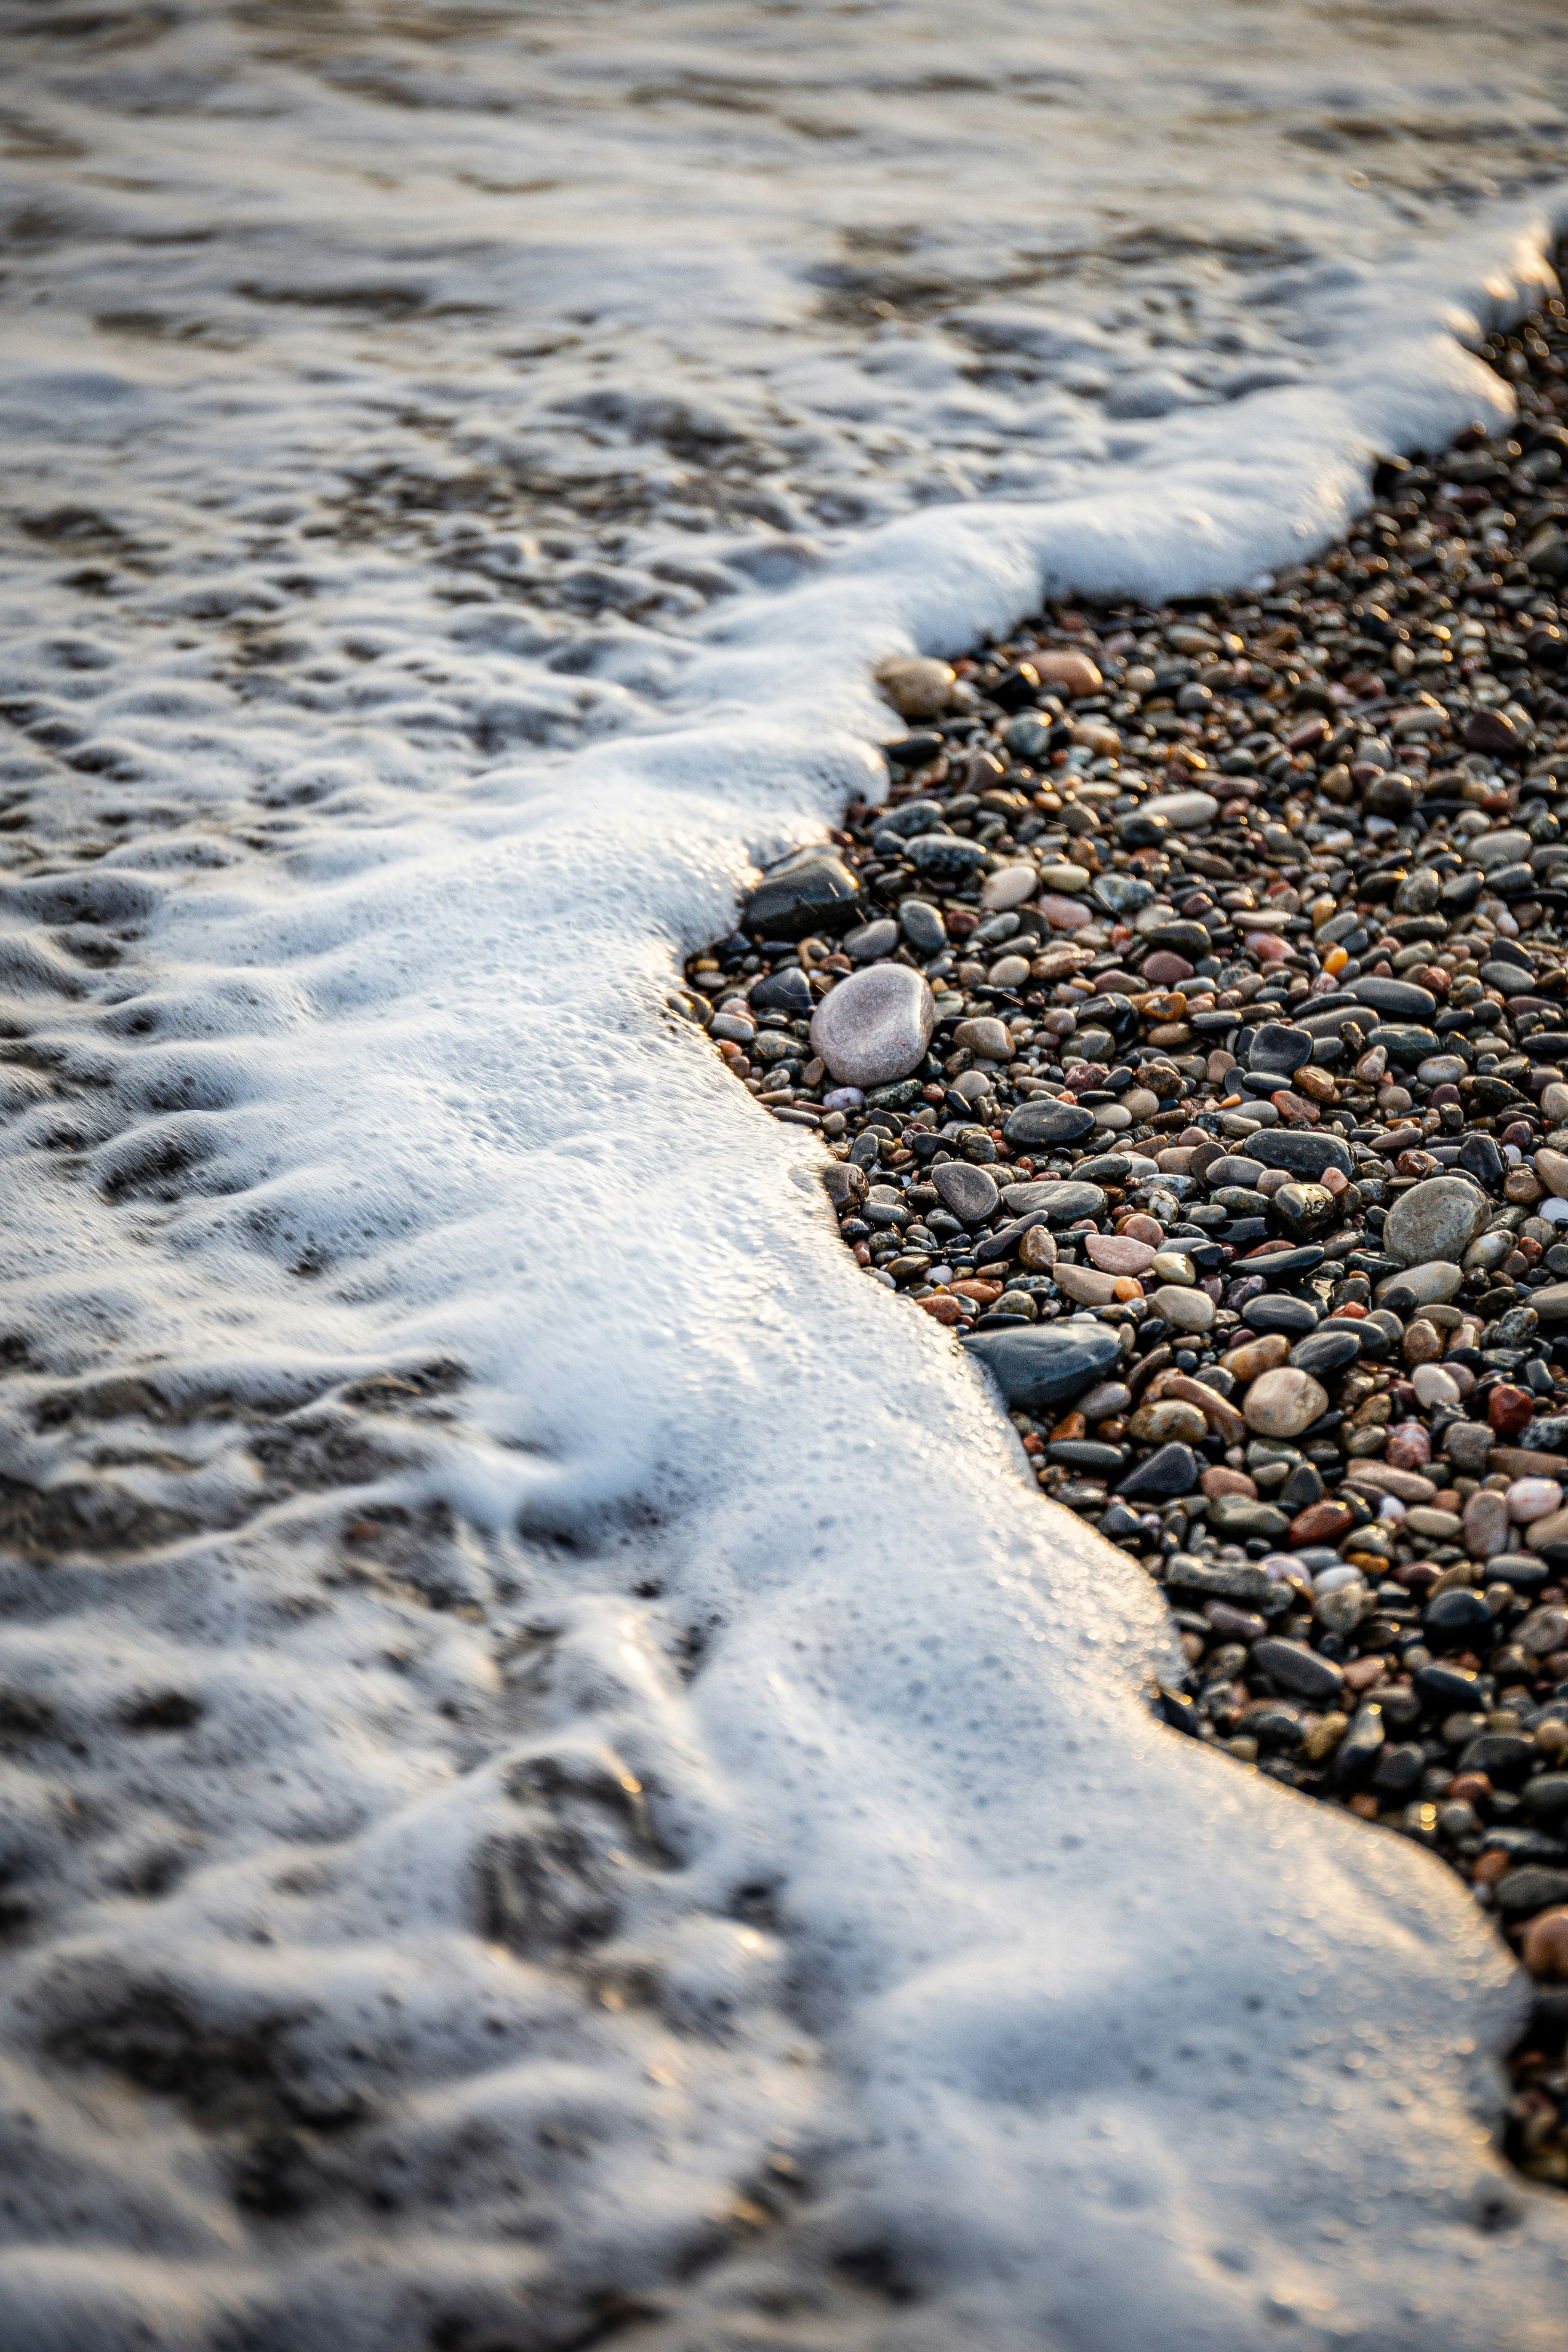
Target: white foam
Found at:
x=1076, y=2034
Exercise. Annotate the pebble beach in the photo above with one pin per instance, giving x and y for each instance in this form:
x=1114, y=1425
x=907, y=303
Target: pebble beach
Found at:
x=1187, y=1035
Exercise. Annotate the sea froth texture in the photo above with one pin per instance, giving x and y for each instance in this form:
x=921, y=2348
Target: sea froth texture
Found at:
x=539, y=1807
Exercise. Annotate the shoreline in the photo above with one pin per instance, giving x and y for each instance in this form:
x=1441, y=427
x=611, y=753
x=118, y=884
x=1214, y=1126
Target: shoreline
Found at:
x=1280, y=1304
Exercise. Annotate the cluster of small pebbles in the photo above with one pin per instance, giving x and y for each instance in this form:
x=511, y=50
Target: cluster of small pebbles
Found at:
x=1187, y=1032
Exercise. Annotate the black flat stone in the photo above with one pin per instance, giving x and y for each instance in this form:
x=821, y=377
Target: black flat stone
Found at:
x=1296, y=1668
x=1036, y=1365
x=1282, y=1264
x=1086, y=1453
x=1048, y=1122
x=1174, y=1470
x=1399, y=1000
x=1325, y=1352
x=1304, y=1151
x=782, y=991
x=1277, y=1312
x=1276, y=1048
x=811, y=893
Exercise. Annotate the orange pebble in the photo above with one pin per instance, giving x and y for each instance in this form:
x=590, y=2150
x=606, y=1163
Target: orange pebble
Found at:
x=1365, y=1806
x=1491, y=1867
x=942, y=1306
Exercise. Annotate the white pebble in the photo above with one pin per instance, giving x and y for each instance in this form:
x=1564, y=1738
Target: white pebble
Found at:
x=1534, y=1498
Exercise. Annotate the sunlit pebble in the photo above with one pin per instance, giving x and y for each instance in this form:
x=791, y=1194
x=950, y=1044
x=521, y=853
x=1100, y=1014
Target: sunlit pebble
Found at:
x=1534, y=1498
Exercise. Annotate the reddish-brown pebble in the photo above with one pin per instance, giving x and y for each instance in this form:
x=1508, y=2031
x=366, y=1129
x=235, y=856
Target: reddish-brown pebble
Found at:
x=1545, y=1948
x=1508, y=1410
x=1409, y=1446
x=942, y=1307
x=1227, y=1482
x=1322, y=1522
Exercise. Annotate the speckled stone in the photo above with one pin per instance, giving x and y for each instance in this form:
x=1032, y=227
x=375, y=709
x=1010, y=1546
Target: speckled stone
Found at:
x=875, y=1026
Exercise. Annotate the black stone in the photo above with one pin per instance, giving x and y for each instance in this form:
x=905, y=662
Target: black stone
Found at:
x=1303, y=1152
x=922, y=925
x=1282, y=1264
x=1400, y=1000
x=1480, y=1158
x=946, y=857
x=1303, y=1487
x=1325, y=1352
x=1046, y=1121
x=1305, y=1209
x=1276, y=1048
x=1454, y=1618
x=1545, y=1798
x=1062, y=1200
x=1086, y=1453
x=1402, y=1042
x=1275, y=1312
x=813, y=891
x=1397, y=1773
x=1296, y=1668
x=1522, y=1893
x=1502, y=1756
x=1045, y=1364
x=782, y=991
x=1448, y=1689
x=913, y=751
x=1358, y=1751
x=1174, y=1470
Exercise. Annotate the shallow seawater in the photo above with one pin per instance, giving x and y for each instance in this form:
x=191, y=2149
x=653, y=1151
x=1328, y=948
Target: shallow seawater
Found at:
x=559, y=1782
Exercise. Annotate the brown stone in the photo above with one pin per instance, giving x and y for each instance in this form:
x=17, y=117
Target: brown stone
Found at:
x=1323, y=1522
x=1510, y=1409
x=1219, y=1411
x=942, y=1306
x=1255, y=1356
x=1544, y=1950
x=1219, y=1481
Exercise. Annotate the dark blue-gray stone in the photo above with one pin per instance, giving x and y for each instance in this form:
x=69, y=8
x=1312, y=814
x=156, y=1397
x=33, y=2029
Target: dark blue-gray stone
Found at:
x=1304, y=1151
x=1062, y=1200
x=782, y=991
x=1279, y=1050
x=1322, y=1353
x=946, y=856
x=1400, y=1000
x=924, y=925
x=1275, y=1312
x=915, y=816
x=1121, y=894
x=1174, y=1470
x=1047, y=1122
x=1403, y=1043
x=1480, y=1158
x=813, y=891
x=1296, y=1668
x=1041, y=1364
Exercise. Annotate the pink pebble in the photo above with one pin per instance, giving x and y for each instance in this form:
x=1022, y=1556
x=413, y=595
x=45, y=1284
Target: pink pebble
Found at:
x=1534, y=1498
x=1066, y=914
x=1164, y=969
x=1118, y=1254
x=1267, y=947
x=1139, y=1228
x=1408, y=1447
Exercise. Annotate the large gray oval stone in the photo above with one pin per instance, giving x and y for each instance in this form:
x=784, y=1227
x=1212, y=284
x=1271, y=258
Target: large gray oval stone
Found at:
x=875, y=1026
x=1439, y=1219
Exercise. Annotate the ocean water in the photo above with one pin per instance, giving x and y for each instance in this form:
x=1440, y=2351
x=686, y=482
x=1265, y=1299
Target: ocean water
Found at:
x=559, y=1784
